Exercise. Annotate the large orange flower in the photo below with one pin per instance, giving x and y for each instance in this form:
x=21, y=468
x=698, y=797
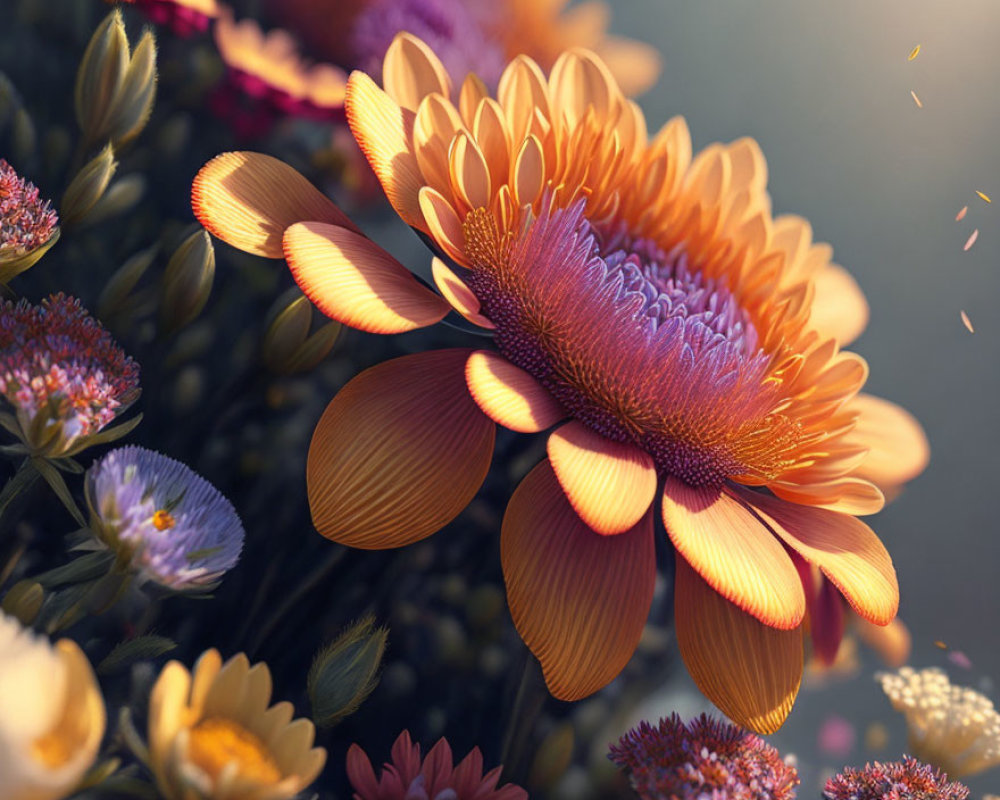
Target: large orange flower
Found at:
x=684, y=345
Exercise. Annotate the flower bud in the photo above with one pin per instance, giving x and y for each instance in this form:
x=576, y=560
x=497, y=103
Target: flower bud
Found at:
x=134, y=103
x=345, y=672
x=23, y=601
x=100, y=77
x=88, y=186
x=187, y=282
x=24, y=137
x=288, y=348
x=552, y=759
x=115, y=295
x=121, y=196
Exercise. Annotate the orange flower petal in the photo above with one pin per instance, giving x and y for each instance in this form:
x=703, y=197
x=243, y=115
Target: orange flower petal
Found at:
x=510, y=396
x=384, y=131
x=249, y=199
x=411, y=71
x=354, y=281
x=636, y=65
x=470, y=175
x=749, y=670
x=848, y=495
x=579, y=600
x=458, y=295
x=898, y=450
x=891, y=642
x=734, y=552
x=528, y=172
x=610, y=484
x=443, y=224
x=842, y=546
x=839, y=309
x=398, y=453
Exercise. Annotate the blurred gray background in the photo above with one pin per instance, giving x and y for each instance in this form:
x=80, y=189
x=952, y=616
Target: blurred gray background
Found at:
x=825, y=89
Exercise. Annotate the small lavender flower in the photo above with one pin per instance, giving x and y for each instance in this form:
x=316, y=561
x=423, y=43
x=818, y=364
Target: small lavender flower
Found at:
x=704, y=759
x=26, y=221
x=171, y=524
x=62, y=373
x=908, y=779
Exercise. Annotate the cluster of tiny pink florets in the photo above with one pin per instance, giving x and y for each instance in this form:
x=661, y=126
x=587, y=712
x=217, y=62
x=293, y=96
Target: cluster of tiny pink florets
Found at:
x=26, y=221
x=703, y=759
x=57, y=360
x=908, y=779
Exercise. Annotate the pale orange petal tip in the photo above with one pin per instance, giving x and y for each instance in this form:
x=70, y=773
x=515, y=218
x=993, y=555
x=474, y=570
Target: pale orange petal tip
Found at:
x=510, y=396
x=459, y=296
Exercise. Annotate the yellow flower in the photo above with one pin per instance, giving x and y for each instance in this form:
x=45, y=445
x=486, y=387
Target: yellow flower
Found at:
x=52, y=716
x=212, y=734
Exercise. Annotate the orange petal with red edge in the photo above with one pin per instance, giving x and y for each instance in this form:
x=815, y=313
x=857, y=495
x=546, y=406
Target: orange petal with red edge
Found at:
x=751, y=671
x=842, y=546
x=734, y=553
x=398, y=453
x=839, y=309
x=459, y=296
x=610, y=484
x=249, y=199
x=898, y=450
x=891, y=642
x=354, y=281
x=510, y=396
x=578, y=599
x=384, y=132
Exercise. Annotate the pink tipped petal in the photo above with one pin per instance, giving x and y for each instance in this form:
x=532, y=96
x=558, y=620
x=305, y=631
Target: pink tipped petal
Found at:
x=610, y=484
x=510, y=396
x=398, y=453
x=734, y=553
x=353, y=280
x=361, y=774
x=898, y=450
x=458, y=295
x=578, y=599
x=842, y=546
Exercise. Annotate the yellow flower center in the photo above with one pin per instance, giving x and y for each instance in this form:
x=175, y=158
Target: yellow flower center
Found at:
x=53, y=749
x=217, y=742
x=162, y=520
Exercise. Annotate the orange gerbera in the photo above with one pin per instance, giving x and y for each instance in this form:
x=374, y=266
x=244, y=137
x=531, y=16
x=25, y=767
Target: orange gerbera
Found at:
x=685, y=344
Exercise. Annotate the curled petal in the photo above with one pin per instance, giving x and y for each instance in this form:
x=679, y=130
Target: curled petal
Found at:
x=734, y=553
x=751, y=671
x=842, y=546
x=354, y=281
x=610, y=484
x=398, y=453
x=510, y=396
x=847, y=495
x=578, y=599
x=249, y=199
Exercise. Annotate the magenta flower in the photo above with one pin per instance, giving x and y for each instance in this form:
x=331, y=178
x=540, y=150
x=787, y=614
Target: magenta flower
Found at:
x=908, y=779
x=63, y=375
x=408, y=777
x=28, y=224
x=704, y=759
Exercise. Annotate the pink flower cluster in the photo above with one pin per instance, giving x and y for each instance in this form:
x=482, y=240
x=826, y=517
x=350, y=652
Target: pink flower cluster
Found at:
x=59, y=366
x=26, y=221
x=908, y=779
x=703, y=759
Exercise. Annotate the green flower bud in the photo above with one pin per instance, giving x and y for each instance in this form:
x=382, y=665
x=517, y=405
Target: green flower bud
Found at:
x=100, y=77
x=24, y=137
x=117, y=291
x=24, y=600
x=134, y=103
x=122, y=195
x=88, y=186
x=288, y=347
x=552, y=759
x=345, y=672
x=187, y=282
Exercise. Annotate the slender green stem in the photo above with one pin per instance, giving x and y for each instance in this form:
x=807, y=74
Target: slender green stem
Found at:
x=517, y=738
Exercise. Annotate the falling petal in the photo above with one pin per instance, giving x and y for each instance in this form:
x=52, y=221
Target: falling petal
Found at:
x=961, y=214
x=984, y=196
x=967, y=322
x=939, y=644
x=960, y=659
x=971, y=240
x=916, y=99
x=914, y=53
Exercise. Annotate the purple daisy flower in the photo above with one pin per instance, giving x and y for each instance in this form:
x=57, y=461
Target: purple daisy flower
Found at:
x=703, y=759
x=171, y=524
x=908, y=779
x=62, y=373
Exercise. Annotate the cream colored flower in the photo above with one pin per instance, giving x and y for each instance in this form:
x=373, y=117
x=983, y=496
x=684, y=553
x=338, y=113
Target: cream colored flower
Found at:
x=952, y=727
x=212, y=734
x=52, y=715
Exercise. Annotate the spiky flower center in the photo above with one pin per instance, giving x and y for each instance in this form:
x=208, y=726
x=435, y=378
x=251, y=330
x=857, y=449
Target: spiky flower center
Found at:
x=635, y=343
x=26, y=221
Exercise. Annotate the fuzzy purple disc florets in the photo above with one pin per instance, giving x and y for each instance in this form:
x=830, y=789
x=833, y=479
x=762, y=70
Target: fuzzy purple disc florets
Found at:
x=908, y=779
x=26, y=221
x=458, y=31
x=704, y=759
x=59, y=366
x=169, y=522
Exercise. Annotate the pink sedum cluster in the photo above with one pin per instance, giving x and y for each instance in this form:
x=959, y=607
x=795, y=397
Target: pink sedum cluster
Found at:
x=26, y=221
x=703, y=759
x=908, y=779
x=410, y=777
x=62, y=372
